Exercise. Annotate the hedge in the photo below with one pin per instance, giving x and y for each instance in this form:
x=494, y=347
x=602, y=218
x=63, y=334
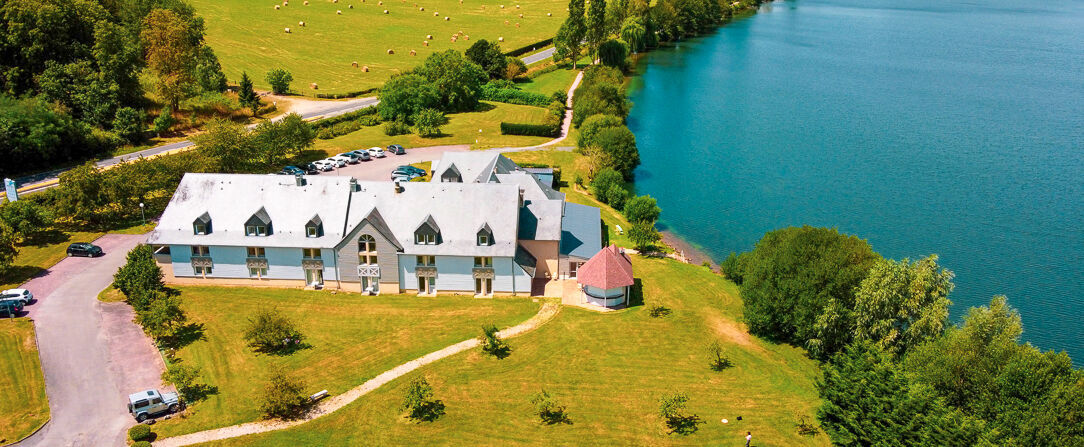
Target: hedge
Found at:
x=514, y=96
x=344, y=128
x=351, y=116
x=528, y=48
x=347, y=94
x=534, y=130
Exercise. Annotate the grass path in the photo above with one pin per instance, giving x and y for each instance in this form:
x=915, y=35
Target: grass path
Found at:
x=328, y=406
x=23, y=402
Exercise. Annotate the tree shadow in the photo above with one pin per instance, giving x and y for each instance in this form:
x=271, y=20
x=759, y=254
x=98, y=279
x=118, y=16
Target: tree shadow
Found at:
x=286, y=349
x=18, y=274
x=484, y=107
x=185, y=335
x=198, y=392
x=555, y=417
x=501, y=352
x=428, y=411
x=47, y=237
x=636, y=293
x=684, y=425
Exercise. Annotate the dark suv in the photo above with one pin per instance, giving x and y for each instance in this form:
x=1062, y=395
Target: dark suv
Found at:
x=396, y=149
x=84, y=249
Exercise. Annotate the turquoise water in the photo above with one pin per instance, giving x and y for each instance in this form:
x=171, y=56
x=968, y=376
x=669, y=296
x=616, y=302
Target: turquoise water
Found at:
x=947, y=127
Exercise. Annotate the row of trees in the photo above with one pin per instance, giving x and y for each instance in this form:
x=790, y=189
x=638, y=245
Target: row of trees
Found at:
x=446, y=82
x=896, y=371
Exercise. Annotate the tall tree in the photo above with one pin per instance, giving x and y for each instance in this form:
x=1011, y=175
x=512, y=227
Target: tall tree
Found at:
x=458, y=80
x=488, y=55
x=902, y=304
x=568, y=44
x=8, y=251
x=171, y=48
x=280, y=80
x=634, y=33
x=246, y=95
x=228, y=144
x=596, y=26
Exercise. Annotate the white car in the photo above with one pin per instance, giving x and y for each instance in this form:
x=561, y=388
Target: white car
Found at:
x=324, y=165
x=342, y=159
x=335, y=162
x=376, y=152
x=22, y=295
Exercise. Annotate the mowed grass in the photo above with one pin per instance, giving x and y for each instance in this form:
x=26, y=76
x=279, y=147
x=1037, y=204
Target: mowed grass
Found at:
x=353, y=338
x=609, y=370
x=250, y=35
x=555, y=81
x=462, y=128
x=23, y=403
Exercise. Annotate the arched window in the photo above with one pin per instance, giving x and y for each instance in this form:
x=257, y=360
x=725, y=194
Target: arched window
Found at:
x=367, y=249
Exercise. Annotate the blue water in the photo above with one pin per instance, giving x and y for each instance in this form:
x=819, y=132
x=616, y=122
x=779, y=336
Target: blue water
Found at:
x=948, y=127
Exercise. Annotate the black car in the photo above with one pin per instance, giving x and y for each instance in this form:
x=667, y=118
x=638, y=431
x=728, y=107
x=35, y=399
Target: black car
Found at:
x=310, y=169
x=396, y=149
x=84, y=249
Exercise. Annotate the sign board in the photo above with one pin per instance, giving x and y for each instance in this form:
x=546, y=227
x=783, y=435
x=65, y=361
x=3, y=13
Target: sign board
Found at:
x=12, y=191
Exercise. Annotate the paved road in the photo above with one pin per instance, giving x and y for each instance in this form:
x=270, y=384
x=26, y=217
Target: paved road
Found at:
x=312, y=109
x=92, y=354
x=539, y=56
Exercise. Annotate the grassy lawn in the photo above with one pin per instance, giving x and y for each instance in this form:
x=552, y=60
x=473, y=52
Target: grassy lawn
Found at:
x=249, y=36
x=609, y=370
x=462, y=128
x=353, y=338
x=554, y=81
x=23, y=403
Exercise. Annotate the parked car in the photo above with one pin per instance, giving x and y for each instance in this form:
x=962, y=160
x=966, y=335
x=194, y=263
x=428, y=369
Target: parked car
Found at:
x=396, y=149
x=22, y=295
x=10, y=308
x=362, y=154
x=144, y=404
x=376, y=152
x=311, y=169
x=337, y=162
x=412, y=169
x=409, y=175
x=324, y=165
x=400, y=178
x=354, y=159
x=84, y=249
x=291, y=170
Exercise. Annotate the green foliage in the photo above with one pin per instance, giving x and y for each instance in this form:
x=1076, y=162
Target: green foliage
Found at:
x=672, y=411
x=535, y=130
x=246, y=95
x=600, y=92
x=514, y=67
x=428, y=122
x=604, y=181
x=644, y=235
x=419, y=404
x=403, y=96
x=269, y=331
x=141, y=444
x=568, y=43
x=186, y=379
x=370, y=112
x=139, y=432
x=393, y=128
x=280, y=80
x=34, y=135
x=171, y=42
x=283, y=397
x=902, y=304
x=345, y=127
x=128, y=124
x=488, y=56
x=731, y=267
x=458, y=80
x=613, y=53
x=642, y=209
x=718, y=360
x=657, y=311
x=8, y=251
x=798, y=286
x=619, y=145
x=139, y=278
x=593, y=124
x=634, y=33
x=547, y=409
x=234, y=149
x=164, y=121
x=492, y=343
x=208, y=71
x=596, y=25
x=162, y=318
x=26, y=218
x=494, y=92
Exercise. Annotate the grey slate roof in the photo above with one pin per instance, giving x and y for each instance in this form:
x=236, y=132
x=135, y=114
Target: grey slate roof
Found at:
x=475, y=167
x=581, y=231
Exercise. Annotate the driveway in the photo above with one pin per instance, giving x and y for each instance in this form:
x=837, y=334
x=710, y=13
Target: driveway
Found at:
x=379, y=169
x=92, y=354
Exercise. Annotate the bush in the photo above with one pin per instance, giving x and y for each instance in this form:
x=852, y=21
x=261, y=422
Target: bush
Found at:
x=357, y=115
x=642, y=209
x=604, y=181
x=514, y=67
x=613, y=53
x=405, y=95
x=164, y=121
x=619, y=144
x=419, y=403
x=128, y=124
x=495, y=92
x=492, y=343
x=139, y=278
x=139, y=433
x=593, y=124
x=184, y=377
x=271, y=332
x=280, y=80
x=528, y=48
x=548, y=410
x=731, y=267
x=559, y=97
x=672, y=410
x=533, y=130
x=393, y=128
x=141, y=444
x=616, y=196
x=282, y=397
x=428, y=122
x=644, y=235
x=657, y=311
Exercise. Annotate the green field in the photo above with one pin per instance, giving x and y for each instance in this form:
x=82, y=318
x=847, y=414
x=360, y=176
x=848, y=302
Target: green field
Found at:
x=23, y=403
x=250, y=35
x=609, y=370
x=353, y=338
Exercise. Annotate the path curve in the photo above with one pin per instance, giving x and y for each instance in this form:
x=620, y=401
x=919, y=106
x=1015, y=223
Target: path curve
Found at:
x=334, y=403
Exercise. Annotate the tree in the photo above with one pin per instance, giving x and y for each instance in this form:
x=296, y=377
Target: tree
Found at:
x=8, y=251
x=488, y=55
x=26, y=218
x=164, y=121
x=616, y=11
x=616, y=196
x=171, y=46
x=642, y=209
x=208, y=72
x=128, y=124
x=902, y=304
x=619, y=143
x=603, y=181
x=271, y=332
x=228, y=144
x=185, y=378
x=634, y=33
x=162, y=318
x=81, y=194
x=283, y=397
x=514, y=68
x=273, y=142
x=139, y=277
x=598, y=98
x=594, y=123
x=794, y=276
x=718, y=361
x=644, y=235
x=613, y=53
x=246, y=95
x=458, y=80
x=672, y=411
x=568, y=43
x=548, y=410
x=428, y=122
x=419, y=404
x=403, y=96
x=35, y=134
x=596, y=25
x=280, y=80
x=492, y=343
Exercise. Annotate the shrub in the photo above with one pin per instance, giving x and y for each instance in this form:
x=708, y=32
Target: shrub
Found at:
x=594, y=123
x=616, y=196
x=658, y=311
x=184, y=377
x=548, y=410
x=494, y=92
x=533, y=130
x=164, y=121
x=528, y=48
x=731, y=267
x=419, y=404
x=139, y=277
x=642, y=209
x=393, y=128
x=270, y=331
x=428, y=122
x=514, y=68
x=139, y=433
x=717, y=361
x=162, y=318
x=128, y=124
x=644, y=235
x=559, y=97
x=605, y=180
x=457, y=79
x=405, y=95
x=282, y=397
x=280, y=80
x=492, y=343
x=672, y=410
x=619, y=144
x=367, y=112
x=613, y=53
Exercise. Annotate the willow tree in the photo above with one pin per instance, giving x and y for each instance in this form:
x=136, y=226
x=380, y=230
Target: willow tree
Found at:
x=634, y=33
x=902, y=304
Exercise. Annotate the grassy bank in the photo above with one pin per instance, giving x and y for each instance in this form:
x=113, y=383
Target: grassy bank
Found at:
x=609, y=370
x=352, y=337
x=23, y=403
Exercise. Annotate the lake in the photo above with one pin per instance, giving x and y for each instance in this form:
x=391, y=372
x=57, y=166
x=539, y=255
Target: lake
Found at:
x=949, y=127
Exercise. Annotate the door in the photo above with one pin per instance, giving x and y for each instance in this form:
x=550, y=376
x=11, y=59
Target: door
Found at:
x=370, y=284
x=483, y=286
x=314, y=277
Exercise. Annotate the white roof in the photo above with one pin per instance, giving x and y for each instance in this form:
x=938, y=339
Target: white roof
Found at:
x=474, y=167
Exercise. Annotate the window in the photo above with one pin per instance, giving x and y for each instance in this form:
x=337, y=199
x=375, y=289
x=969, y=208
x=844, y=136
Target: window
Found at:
x=427, y=261
x=156, y=400
x=255, y=272
x=312, y=232
x=200, y=250
x=366, y=244
x=200, y=228
x=315, y=227
x=367, y=258
x=255, y=252
x=310, y=253
x=202, y=224
x=483, y=261
x=483, y=286
x=425, y=238
x=255, y=230
x=484, y=236
x=483, y=239
x=203, y=270
x=572, y=267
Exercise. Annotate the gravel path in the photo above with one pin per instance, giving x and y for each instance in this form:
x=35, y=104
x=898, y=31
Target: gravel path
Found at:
x=334, y=403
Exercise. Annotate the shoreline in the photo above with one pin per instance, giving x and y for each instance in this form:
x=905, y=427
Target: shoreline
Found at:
x=686, y=251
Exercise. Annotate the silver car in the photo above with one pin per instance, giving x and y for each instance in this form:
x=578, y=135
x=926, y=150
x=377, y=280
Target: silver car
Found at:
x=377, y=152
x=144, y=404
x=24, y=296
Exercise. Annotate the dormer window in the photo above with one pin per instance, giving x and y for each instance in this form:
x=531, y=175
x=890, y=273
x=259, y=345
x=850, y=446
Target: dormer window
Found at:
x=485, y=236
x=259, y=224
x=202, y=225
x=451, y=174
x=428, y=233
x=315, y=227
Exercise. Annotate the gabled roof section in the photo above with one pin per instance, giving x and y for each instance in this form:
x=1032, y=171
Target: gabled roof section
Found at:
x=260, y=216
x=485, y=227
x=581, y=231
x=609, y=269
x=430, y=222
x=204, y=218
x=451, y=172
x=525, y=260
x=316, y=220
x=377, y=221
x=474, y=167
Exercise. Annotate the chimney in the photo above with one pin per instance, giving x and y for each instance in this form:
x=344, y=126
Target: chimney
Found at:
x=521, y=197
x=398, y=189
x=354, y=185
x=299, y=179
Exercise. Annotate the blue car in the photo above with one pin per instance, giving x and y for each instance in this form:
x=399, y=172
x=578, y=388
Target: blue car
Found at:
x=292, y=170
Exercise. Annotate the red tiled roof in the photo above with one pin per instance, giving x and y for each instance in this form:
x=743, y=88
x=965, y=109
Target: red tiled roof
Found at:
x=610, y=268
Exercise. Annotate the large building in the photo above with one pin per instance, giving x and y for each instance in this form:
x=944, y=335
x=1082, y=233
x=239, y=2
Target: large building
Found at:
x=482, y=226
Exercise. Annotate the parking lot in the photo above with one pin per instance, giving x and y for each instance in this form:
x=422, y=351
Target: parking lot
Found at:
x=380, y=168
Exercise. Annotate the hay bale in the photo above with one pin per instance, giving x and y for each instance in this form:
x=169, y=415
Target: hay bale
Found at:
x=505, y=22
x=334, y=1
x=446, y=18
x=350, y=6
x=466, y=37
x=365, y=69
x=391, y=51
x=314, y=86
x=425, y=42
x=517, y=6
x=413, y=53
x=338, y=11
x=421, y=8
x=385, y=11
x=453, y=39
x=502, y=6
x=287, y=30
x=521, y=15
x=500, y=39
x=435, y=13
x=302, y=23
x=428, y=36
x=549, y=14
x=354, y=64
x=276, y=6
x=285, y=3
x=517, y=24
x=306, y=3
